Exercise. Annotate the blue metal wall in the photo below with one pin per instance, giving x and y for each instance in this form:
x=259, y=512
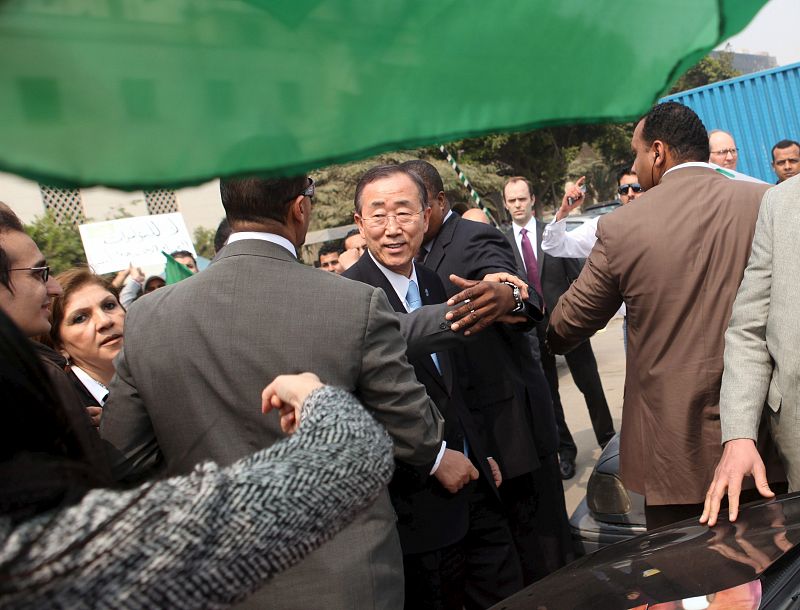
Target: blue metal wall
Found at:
x=759, y=109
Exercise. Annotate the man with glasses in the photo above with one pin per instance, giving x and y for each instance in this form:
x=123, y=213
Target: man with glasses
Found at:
x=557, y=241
x=26, y=289
x=457, y=546
x=722, y=149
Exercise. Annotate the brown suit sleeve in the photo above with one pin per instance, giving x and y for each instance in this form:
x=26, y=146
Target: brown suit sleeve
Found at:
x=589, y=303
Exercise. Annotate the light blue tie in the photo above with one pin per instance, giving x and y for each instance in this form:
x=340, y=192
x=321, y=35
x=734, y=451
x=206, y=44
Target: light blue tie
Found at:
x=414, y=302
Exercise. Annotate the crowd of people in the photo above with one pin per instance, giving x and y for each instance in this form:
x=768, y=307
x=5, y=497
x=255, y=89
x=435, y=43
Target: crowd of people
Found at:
x=146, y=452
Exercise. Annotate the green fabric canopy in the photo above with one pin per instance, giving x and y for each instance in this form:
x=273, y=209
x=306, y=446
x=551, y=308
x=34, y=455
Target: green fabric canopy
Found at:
x=143, y=93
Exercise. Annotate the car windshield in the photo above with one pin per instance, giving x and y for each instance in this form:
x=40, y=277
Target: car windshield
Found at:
x=687, y=561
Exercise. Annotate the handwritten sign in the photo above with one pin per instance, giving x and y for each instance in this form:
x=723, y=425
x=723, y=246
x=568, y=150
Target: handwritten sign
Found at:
x=115, y=244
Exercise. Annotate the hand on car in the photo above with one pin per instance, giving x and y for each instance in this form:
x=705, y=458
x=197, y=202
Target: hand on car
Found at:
x=455, y=470
x=740, y=458
x=287, y=393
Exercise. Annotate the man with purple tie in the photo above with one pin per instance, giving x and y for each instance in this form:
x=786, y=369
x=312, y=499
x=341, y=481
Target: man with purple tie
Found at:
x=551, y=277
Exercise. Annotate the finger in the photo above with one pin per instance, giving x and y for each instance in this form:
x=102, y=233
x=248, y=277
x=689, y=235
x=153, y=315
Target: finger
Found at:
x=760, y=476
x=714, y=499
x=473, y=473
x=734, y=489
x=266, y=399
x=460, y=282
x=580, y=181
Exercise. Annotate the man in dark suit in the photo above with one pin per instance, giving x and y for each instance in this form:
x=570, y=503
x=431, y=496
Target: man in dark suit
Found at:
x=457, y=547
x=198, y=354
x=551, y=277
x=505, y=387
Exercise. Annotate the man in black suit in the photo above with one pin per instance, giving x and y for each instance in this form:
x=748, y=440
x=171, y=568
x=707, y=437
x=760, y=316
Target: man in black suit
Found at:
x=505, y=387
x=457, y=547
x=551, y=277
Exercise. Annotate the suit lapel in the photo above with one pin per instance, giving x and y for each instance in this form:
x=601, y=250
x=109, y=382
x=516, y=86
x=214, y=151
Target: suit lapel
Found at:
x=373, y=276
x=445, y=378
x=370, y=274
x=517, y=254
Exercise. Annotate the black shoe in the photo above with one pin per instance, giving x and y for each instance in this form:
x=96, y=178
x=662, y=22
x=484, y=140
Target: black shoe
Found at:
x=566, y=465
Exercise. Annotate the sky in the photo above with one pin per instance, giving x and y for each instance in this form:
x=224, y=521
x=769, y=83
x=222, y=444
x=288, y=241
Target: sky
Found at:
x=774, y=29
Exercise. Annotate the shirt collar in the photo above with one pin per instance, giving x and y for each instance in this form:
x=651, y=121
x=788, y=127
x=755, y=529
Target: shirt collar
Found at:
x=689, y=164
x=279, y=240
x=96, y=389
x=530, y=226
x=399, y=282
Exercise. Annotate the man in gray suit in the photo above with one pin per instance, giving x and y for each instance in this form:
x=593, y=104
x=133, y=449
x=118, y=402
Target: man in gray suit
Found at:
x=761, y=364
x=198, y=354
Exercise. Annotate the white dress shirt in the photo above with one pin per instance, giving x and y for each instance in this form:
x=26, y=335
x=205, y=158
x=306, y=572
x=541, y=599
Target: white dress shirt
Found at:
x=532, y=237
x=263, y=236
x=578, y=243
x=400, y=284
x=95, y=388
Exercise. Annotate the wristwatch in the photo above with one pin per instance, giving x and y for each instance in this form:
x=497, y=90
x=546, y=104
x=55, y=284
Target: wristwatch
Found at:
x=517, y=298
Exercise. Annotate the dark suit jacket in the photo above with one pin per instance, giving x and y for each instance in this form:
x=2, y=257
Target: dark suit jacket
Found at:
x=197, y=355
x=428, y=516
x=555, y=273
x=502, y=381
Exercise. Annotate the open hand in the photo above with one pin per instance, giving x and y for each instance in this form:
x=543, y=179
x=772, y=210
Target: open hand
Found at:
x=739, y=459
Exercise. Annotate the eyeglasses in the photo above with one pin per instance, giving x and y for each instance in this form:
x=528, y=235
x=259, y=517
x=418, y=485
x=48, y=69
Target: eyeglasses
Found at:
x=380, y=221
x=42, y=272
x=309, y=192
x=623, y=189
x=724, y=153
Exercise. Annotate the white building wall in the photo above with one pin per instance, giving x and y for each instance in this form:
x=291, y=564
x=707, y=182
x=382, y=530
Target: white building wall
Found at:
x=200, y=205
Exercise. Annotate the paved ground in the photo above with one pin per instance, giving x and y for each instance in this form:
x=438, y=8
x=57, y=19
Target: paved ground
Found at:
x=608, y=349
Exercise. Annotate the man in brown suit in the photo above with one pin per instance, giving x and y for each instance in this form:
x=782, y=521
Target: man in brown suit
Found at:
x=675, y=256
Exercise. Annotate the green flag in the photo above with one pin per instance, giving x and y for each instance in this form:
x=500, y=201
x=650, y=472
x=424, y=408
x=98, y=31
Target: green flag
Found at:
x=174, y=92
x=175, y=271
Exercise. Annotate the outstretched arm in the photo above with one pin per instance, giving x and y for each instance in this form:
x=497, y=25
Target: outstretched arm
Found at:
x=211, y=537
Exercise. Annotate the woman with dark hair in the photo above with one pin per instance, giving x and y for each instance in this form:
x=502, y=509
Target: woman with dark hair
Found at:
x=86, y=327
x=202, y=540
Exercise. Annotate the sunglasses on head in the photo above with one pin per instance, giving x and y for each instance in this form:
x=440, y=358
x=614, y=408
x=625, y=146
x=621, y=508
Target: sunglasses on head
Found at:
x=623, y=189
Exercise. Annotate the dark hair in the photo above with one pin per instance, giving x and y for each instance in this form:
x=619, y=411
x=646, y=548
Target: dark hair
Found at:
x=331, y=247
x=45, y=456
x=517, y=179
x=71, y=281
x=8, y=222
x=783, y=144
x=680, y=128
x=625, y=171
x=350, y=233
x=429, y=174
x=260, y=199
x=379, y=172
x=222, y=234
x=184, y=254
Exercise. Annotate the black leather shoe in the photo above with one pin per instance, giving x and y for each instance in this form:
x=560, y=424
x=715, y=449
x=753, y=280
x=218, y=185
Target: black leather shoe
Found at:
x=566, y=465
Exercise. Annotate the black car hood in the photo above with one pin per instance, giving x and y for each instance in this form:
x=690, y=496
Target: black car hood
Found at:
x=672, y=563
